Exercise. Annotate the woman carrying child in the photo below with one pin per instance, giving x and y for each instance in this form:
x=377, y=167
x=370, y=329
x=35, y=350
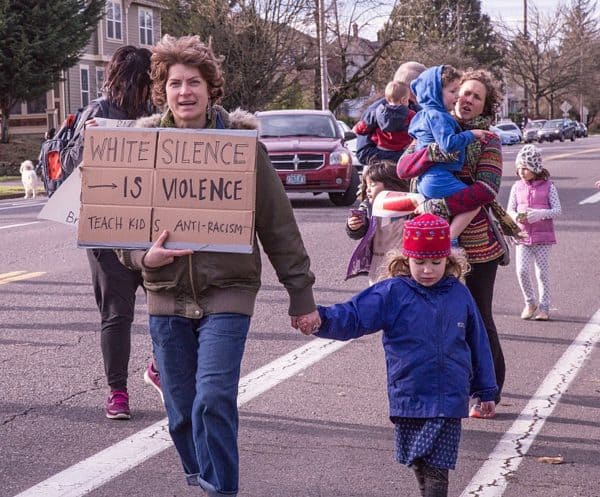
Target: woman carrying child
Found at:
x=376, y=237
x=478, y=99
x=436, y=348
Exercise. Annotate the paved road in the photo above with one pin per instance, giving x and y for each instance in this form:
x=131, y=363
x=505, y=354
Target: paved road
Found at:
x=313, y=423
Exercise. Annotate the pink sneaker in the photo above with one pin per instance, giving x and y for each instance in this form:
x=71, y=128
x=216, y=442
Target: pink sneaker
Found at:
x=117, y=405
x=152, y=378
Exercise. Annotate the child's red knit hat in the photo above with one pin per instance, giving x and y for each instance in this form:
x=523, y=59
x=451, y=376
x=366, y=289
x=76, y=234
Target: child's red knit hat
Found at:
x=426, y=237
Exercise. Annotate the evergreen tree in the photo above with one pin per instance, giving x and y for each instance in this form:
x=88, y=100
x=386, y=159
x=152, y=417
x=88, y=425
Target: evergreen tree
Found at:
x=446, y=31
x=40, y=39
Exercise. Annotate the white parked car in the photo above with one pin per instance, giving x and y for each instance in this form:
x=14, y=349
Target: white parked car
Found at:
x=510, y=127
x=506, y=137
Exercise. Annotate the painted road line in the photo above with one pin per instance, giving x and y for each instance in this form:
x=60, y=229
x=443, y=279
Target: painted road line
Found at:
x=11, y=274
x=21, y=205
x=492, y=478
x=89, y=474
x=592, y=199
x=18, y=276
x=571, y=154
x=18, y=225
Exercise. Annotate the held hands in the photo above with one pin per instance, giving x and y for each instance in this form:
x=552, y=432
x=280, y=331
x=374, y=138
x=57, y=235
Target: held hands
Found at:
x=307, y=323
x=158, y=256
x=488, y=409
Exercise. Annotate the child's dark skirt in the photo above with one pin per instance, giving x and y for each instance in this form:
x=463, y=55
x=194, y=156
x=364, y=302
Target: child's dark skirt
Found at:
x=434, y=440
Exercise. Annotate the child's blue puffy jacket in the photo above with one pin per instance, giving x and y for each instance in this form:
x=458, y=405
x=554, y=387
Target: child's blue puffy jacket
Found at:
x=436, y=347
x=433, y=123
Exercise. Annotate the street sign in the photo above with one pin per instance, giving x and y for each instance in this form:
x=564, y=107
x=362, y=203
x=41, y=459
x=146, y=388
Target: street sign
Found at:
x=565, y=107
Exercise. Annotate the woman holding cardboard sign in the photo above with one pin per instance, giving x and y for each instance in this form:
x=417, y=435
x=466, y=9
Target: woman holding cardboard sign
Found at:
x=200, y=303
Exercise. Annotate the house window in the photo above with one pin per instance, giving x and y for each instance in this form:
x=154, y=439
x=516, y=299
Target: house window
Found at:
x=113, y=19
x=99, y=81
x=146, y=19
x=16, y=109
x=85, y=85
x=37, y=106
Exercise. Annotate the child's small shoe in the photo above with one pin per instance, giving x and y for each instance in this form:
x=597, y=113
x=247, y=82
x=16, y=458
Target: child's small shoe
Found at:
x=542, y=316
x=529, y=311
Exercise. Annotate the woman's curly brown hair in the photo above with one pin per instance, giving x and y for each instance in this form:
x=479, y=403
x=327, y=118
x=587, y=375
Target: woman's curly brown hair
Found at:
x=190, y=51
x=493, y=95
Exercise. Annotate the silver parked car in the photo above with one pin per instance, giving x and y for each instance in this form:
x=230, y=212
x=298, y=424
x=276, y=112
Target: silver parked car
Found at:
x=531, y=128
x=581, y=130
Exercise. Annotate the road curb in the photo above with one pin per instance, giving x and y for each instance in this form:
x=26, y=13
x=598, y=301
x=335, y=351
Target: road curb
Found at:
x=8, y=196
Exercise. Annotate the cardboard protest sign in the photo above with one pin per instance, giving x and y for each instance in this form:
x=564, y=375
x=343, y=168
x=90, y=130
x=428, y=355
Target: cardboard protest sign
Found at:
x=111, y=186
x=197, y=184
x=115, y=147
x=105, y=226
x=63, y=207
x=212, y=151
x=200, y=229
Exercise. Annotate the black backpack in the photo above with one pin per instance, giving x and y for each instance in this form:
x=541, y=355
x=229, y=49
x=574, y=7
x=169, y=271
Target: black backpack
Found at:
x=62, y=153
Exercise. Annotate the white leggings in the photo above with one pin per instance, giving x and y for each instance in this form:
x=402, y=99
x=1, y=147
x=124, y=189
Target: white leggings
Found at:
x=540, y=255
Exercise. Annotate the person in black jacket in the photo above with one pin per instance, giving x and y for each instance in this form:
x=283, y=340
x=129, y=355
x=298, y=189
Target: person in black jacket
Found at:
x=127, y=96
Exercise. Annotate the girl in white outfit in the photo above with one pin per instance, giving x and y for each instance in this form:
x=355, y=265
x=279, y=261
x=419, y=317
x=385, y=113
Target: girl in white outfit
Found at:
x=533, y=203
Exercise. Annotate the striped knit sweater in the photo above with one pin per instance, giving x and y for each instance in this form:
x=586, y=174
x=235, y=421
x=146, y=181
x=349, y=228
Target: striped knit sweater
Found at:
x=482, y=173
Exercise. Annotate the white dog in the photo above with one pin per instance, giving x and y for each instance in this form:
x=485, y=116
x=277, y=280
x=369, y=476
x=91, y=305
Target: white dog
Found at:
x=29, y=178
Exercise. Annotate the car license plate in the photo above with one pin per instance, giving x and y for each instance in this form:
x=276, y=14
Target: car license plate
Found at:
x=295, y=179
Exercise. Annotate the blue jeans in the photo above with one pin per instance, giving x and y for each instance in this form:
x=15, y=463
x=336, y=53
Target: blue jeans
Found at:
x=199, y=363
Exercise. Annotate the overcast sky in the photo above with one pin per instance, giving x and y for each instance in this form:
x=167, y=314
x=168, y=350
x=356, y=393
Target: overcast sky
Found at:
x=511, y=11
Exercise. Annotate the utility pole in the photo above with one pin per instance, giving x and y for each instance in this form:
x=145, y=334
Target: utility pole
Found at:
x=323, y=55
x=525, y=90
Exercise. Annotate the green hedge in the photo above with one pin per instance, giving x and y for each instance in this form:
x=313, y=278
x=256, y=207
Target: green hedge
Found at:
x=19, y=148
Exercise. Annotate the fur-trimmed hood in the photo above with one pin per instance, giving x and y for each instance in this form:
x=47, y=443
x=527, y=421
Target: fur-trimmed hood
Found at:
x=237, y=119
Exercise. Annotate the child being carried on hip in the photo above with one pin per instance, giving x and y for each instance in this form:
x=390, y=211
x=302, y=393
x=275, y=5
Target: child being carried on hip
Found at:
x=388, y=125
x=437, y=92
x=435, y=343
x=533, y=203
x=377, y=236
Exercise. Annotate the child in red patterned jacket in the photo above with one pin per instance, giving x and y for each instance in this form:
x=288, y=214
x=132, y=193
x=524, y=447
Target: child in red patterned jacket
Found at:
x=387, y=126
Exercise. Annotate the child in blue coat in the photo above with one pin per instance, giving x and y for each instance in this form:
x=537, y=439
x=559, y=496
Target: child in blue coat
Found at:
x=437, y=92
x=436, y=348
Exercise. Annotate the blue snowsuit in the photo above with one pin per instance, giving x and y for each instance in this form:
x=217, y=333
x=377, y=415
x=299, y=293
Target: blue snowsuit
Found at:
x=434, y=124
